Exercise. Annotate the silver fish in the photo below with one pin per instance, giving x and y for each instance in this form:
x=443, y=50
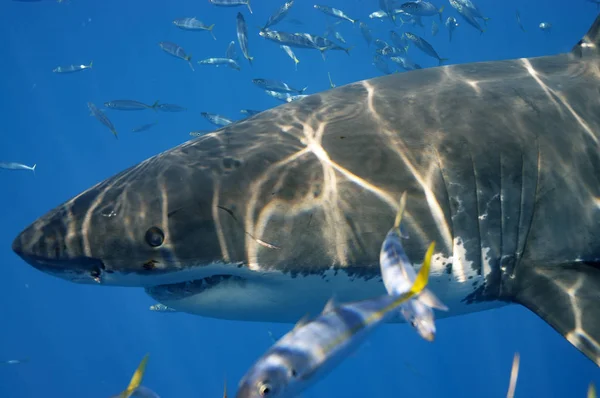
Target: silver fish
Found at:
x=421, y=8
x=313, y=348
x=519, y=20
x=161, y=308
x=424, y=46
x=14, y=361
x=242, y=34
x=144, y=127
x=434, y=28
x=381, y=64
x=467, y=14
x=405, y=63
x=231, y=53
x=101, y=117
x=451, y=24
x=232, y=3
x=199, y=133
x=250, y=112
x=170, y=108
x=176, y=51
x=220, y=61
x=276, y=85
x=398, y=275
x=285, y=97
x=279, y=14
x=291, y=54
x=17, y=166
x=129, y=105
x=72, y=68
x=216, y=119
x=334, y=12
x=194, y=24
x=546, y=26
x=366, y=32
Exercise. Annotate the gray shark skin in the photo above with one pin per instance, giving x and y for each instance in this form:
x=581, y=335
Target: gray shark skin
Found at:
x=267, y=218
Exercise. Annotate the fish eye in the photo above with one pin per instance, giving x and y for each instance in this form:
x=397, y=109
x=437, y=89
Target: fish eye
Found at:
x=264, y=390
x=155, y=237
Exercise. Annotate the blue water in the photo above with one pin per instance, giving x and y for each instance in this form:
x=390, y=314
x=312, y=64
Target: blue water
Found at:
x=85, y=341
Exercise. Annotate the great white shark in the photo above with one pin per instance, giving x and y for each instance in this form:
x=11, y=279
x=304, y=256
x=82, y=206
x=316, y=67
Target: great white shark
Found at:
x=268, y=218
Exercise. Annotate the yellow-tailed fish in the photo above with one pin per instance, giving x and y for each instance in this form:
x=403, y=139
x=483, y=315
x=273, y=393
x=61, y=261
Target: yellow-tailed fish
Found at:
x=313, y=348
x=136, y=379
x=399, y=274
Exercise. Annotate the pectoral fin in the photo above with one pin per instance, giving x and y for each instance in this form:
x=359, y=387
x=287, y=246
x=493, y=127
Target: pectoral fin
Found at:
x=568, y=298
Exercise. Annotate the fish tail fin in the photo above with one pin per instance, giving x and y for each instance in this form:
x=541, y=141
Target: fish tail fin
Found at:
x=210, y=29
x=441, y=10
x=589, y=42
x=33, y=168
x=591, y=393
x=303, y=90
x=250, y=59
x=442, y=60
x=486, y=19
x=355, y=21
x=154, y=106
x=428, y=298
x=248, y=5
x=322, y=53
x=566, y=296
x=115, y=133
x=189, y=59
x=347, y=50
x=91, y=63
x=136, y=379
x=402, y=22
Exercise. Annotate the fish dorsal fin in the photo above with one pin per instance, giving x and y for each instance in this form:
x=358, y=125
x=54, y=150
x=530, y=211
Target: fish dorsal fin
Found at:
x=302, y=322
x=590, y=44
x=330, y=306
x=136, y=379
x=400, y=212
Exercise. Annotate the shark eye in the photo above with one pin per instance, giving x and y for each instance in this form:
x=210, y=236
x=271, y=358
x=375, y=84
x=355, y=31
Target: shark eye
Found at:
x=155, y=237
x=264, y=390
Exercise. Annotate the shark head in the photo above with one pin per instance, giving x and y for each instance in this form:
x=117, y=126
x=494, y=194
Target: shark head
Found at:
x=151, y=224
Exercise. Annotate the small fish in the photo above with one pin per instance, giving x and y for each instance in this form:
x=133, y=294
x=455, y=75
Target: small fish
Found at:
x=17, y=166
x=334, y=12
x=473, y=9
x=399, y=274
x=276, y=85
x=129, y=105
x=158, y=307
x=451, y=24
x=467, y=14
x=14, y=361
x=331, y=84
x=232, y=3
x=231, y=53
x=143, y=127
x=421, y=8
x=250, y=112
x=381, y=64
x=313, y=348
x=389, y=51
x=176, y=51
x=405, y=63
x=514, y=374
x=72, y=68
x=381, y=43
x=291, y=54
x=546, y=27
x=199, y=133
x=220, y=61
x=398, y=40
x=101, y=117
x=434, y=28
x=170, y=108
x=366, y=33
x=279, y=14
x=242, y=34
x=519, y=21
x=424, y=46
x=285, y=97
x=194, y=24
x=216, y=119
x=135, y=389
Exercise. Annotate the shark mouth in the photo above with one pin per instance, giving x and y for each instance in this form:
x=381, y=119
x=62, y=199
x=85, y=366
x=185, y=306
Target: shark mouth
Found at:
x=182, y=290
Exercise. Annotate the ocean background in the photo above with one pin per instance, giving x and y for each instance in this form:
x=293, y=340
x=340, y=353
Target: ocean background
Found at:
x=86, y=341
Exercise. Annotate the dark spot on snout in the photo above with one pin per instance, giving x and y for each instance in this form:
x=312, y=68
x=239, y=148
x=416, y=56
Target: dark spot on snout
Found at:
x=230, y=163
x=150, y=265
